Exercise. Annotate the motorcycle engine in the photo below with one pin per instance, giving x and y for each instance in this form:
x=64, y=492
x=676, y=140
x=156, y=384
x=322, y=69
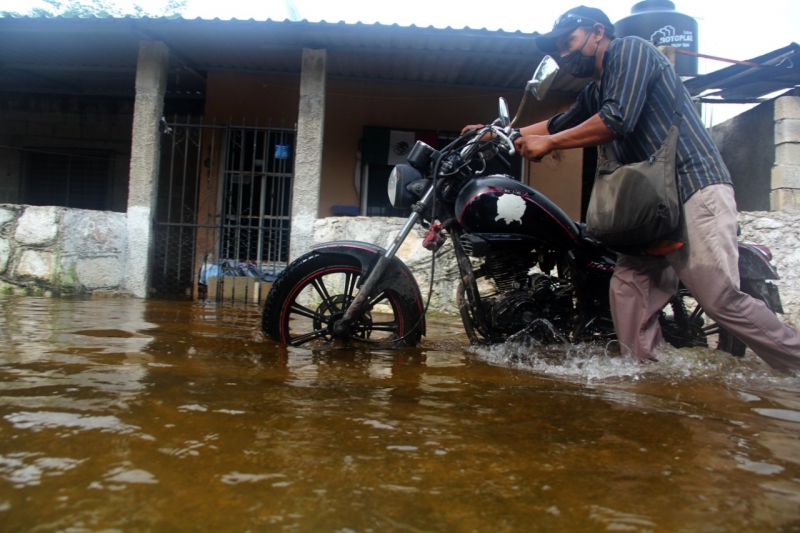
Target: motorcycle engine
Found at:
x=539, y=299
x=514, y=311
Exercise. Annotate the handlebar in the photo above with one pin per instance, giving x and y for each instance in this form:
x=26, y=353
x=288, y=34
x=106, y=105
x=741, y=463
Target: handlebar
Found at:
x=501, y=134
x=507, y=139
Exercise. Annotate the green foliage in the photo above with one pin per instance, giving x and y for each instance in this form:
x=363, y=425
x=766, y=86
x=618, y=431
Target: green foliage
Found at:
x=99, y=8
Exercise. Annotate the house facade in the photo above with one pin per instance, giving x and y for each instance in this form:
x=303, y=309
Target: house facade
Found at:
x=224, y=141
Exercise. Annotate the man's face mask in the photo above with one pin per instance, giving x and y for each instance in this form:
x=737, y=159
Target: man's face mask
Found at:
x=577, y=64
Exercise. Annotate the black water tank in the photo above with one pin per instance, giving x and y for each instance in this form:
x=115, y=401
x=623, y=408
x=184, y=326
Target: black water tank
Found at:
x=658, y=22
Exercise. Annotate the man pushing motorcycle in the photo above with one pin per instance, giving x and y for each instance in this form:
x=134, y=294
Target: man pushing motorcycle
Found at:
x=627, y=108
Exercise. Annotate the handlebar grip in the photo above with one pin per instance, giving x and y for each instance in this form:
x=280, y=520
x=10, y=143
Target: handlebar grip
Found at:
x=514, y=135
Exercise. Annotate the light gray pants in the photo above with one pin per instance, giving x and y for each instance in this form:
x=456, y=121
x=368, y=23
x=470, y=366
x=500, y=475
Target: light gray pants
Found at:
x=708, y=265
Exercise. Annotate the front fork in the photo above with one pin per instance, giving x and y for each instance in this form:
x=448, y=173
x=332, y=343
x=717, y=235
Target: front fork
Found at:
x=471, y=309
x=355, y=309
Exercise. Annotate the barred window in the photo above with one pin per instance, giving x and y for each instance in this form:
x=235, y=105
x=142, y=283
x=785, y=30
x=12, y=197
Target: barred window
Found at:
x=69, y=180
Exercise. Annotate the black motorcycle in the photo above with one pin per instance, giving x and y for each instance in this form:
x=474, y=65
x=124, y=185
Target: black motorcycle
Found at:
x=524, y=265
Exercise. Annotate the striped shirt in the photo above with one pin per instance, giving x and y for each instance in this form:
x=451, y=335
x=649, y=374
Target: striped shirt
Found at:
x=635, y=100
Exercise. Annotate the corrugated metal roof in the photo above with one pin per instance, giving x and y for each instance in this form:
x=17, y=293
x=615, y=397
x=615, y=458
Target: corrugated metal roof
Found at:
x=760, y=76
x=98, y=55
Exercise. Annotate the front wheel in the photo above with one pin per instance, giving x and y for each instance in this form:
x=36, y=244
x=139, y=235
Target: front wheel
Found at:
x=312, y=294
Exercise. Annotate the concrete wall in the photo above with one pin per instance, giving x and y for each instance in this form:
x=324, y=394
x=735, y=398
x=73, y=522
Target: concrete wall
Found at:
x=352, y=105
x=558, y=176
x=56, y=250
x=747, y=145
x=306, y=183
x=151, y=86
x=64, y=124
x=786, y=172
x=761, y=148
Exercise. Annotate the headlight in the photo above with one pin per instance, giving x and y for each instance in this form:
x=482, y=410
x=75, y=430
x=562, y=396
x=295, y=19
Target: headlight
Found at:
x=399, y=180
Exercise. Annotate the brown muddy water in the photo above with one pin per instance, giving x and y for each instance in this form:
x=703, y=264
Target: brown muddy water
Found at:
x=131, y=415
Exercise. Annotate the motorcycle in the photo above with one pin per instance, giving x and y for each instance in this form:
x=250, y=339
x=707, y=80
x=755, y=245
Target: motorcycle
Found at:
x=525, y=266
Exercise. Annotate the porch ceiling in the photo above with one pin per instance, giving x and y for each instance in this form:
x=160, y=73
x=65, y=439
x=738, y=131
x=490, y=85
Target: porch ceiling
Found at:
x=97, y=56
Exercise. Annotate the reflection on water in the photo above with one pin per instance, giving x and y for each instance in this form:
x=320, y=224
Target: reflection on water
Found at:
x=144, y=415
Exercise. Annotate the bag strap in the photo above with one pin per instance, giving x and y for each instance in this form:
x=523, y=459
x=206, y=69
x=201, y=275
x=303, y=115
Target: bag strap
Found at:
x=677, y=111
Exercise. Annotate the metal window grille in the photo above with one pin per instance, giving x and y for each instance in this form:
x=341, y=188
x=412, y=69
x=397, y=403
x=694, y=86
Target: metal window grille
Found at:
x=223, y=216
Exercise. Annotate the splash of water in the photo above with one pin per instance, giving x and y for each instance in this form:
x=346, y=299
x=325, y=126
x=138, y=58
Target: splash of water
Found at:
x=556, y=356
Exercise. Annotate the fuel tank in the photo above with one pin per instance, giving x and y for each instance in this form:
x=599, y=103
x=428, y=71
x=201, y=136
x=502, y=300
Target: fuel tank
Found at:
x=502, y=205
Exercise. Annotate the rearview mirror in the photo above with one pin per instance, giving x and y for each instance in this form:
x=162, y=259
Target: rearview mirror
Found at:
x=539, y=84
x=503, y=112
x=545, y=73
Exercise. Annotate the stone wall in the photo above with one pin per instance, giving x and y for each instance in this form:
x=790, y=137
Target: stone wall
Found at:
x=780, y=231
x=382, y=231
x=56, y=250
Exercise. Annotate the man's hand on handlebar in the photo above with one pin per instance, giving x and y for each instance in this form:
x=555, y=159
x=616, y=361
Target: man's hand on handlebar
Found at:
x=534, y=147
x=471, y=127
x=487, y=136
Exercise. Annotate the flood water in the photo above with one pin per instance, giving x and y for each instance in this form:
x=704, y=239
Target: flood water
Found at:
x=132, y=415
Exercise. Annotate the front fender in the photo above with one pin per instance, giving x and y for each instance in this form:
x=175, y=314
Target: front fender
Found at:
x=397, y=276
x=753, y=264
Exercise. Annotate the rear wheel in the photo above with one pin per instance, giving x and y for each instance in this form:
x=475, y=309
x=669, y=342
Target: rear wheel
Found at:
x=687, y=325
x=312, y=294
x=690, y=326
x=758, y=289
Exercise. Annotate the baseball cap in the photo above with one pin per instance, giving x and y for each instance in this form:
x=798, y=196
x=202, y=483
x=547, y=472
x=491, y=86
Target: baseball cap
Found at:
x=566, y=24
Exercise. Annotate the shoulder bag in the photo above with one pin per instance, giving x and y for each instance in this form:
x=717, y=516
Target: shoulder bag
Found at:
x=632, y=206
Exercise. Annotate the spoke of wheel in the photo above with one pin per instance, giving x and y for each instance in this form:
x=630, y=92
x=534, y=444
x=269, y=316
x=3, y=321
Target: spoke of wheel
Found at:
x=369, y=306
x=384, y=326
x=308, y=313
x=300, y=339
x=357, y=335
x=322, y=290
x=350, y=285
x=375, y=301
x=367, y=329
x=711, y=330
